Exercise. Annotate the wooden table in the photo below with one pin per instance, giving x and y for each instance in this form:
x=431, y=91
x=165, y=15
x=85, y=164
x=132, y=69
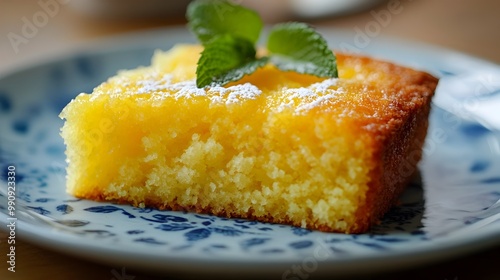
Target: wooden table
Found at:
x=470, y=26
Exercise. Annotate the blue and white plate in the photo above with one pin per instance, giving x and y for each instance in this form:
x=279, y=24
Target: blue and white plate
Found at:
x=453, y=208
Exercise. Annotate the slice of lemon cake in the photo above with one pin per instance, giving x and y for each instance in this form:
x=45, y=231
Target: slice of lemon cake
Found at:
x=281, y=147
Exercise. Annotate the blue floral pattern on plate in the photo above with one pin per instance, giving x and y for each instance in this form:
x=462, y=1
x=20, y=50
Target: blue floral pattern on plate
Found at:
x=458, y=193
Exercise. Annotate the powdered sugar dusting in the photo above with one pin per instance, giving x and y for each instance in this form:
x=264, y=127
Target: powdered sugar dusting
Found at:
x=234, y=94
x=307, y=98
x=315, y=103
x=163, y=86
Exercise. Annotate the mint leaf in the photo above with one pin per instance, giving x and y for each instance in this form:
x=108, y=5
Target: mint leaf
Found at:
x=208, y=19
x=225, y=59
x=297, y=47
x=229, y=33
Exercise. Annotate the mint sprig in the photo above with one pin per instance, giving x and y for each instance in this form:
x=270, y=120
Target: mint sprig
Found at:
x=295, y=46
x=226, y=59
x=229, y=33
x=209, y=19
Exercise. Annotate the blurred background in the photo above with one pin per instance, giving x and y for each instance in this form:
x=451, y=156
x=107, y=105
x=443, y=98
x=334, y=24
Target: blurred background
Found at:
x=31, y=30
x=36, y=30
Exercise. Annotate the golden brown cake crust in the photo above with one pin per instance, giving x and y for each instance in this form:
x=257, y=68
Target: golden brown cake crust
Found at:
x=399, y=142
x=397, y=146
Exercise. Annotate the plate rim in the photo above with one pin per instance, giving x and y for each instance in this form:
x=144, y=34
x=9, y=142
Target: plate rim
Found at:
x=430, y=251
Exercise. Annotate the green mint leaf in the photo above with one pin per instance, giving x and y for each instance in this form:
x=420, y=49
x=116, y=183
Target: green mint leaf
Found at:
x=297, y=47
x=208, y=19
x=225, y=59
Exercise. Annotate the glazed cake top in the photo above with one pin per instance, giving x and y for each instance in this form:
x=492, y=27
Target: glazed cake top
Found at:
x=366, y=88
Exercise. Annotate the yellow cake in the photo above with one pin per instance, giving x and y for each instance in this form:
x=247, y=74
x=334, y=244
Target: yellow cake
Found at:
x=281, y=147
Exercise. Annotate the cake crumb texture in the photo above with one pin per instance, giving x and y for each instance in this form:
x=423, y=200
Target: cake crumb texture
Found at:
x=276, y=146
